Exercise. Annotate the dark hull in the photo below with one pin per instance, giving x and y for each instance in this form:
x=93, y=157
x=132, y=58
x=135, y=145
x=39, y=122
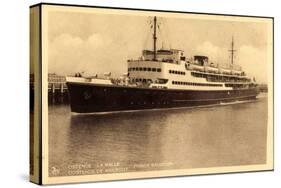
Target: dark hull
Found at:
x=87, y=98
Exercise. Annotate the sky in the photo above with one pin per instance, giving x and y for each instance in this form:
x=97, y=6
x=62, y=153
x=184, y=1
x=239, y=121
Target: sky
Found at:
x=98, y=43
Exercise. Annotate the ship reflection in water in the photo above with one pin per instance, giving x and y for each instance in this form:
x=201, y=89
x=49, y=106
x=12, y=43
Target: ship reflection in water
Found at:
x=224, y=135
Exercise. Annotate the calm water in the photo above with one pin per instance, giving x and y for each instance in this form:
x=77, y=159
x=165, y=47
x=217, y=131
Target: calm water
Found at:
x=153, y=140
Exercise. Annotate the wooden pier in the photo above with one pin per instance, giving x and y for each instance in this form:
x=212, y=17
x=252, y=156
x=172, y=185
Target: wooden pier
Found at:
x=57, y=87
x=56, y=84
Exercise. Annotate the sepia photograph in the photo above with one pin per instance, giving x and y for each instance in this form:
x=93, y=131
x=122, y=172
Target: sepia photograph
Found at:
x=144, y=93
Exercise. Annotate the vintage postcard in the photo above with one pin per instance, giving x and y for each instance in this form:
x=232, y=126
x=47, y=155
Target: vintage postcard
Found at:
x=127, y=94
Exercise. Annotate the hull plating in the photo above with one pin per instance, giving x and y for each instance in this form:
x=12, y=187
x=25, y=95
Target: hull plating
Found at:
x=88, y=98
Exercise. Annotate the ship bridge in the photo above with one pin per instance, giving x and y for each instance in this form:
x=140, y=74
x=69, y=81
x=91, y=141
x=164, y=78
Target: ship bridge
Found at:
x=151, y=67
x=171, y=55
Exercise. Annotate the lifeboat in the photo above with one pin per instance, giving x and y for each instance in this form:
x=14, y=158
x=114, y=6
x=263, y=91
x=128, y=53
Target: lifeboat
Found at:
x=195, y=67
x=225, y=71
x=211, y=69
x=237, y=72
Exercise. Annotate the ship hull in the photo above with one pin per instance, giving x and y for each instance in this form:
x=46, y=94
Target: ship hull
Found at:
x=90, y=98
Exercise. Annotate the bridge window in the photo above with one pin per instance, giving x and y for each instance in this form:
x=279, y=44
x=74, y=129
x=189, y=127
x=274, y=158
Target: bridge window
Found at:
x=176, y=72
x=144, y=69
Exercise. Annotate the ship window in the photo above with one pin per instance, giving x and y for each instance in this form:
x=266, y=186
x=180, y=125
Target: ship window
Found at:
x=140, y=68
x=176, y=72
x=144, y=69
x=153, y=69
x=196, y=84
x=149, y=69
x=137, y=69
x=158, y=70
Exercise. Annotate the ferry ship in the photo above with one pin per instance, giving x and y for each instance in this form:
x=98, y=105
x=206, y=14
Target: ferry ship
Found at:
x=162, y=78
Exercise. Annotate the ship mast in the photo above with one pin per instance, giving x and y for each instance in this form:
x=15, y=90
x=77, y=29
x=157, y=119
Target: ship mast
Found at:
x=154, y=38
x=232, y=51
